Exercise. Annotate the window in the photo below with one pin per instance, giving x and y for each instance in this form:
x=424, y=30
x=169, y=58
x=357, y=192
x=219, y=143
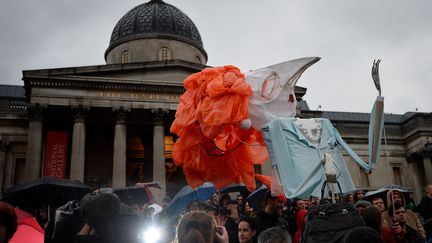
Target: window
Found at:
x=19, y=174
x=164, y=54
x=397, y=175
x=197, y=59
x=125, y=57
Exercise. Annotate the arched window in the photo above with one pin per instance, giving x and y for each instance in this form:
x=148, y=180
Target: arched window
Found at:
x=125, y=57
x=197, y=59
x=164, y=54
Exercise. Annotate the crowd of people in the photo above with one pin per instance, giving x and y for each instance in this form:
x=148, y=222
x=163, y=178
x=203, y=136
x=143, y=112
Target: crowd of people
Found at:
x=102, y=217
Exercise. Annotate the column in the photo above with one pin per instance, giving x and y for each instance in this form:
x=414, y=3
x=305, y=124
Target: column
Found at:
x=3, y=147
x=78, y=145
x=34, y=145
x=159, y=147
x=119, y=159
x=416, y=181
x=427, y=163
x=8, y=180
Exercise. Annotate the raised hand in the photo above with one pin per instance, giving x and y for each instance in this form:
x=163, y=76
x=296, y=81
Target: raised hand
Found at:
x=375, y=75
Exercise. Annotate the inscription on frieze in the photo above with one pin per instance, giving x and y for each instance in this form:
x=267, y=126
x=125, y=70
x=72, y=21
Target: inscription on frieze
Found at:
x=139, y=96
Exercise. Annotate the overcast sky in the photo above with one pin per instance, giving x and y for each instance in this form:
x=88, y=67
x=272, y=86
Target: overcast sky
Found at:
x=348, y=35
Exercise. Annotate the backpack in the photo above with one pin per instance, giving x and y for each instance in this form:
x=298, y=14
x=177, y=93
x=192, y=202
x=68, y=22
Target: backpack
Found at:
x=330, y=222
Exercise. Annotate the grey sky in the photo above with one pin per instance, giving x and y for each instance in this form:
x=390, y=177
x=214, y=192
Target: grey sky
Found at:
x=346, y=34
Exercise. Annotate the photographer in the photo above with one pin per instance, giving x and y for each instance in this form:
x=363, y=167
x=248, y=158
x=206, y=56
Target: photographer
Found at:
x=402, y=232
x=228, y=216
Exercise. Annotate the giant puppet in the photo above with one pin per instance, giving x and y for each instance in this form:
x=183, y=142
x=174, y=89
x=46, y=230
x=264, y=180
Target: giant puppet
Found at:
x=228, y=121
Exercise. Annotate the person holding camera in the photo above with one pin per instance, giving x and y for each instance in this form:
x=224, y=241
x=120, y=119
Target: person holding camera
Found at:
x=199, y=227
x=402, y=232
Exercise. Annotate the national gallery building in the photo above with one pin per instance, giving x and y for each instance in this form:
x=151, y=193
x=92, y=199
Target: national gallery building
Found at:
x=108, y=125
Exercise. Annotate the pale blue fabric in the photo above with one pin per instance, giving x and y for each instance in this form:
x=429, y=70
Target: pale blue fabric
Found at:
x=298, y=161
x=376, y=124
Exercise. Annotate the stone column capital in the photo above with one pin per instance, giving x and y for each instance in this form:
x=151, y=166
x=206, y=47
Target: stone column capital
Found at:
x=80, y=114
x=35, y=112
x=120, y=115
x=159, y=115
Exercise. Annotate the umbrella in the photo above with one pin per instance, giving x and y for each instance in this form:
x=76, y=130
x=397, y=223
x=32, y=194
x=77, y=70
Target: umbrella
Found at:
x=382, y=192
x=187, y=195
x=255, y=197
x=154, y=191
x=136, y=194
x=141, y=193
x=45, y=191
x=28, y=230
x=241, y=188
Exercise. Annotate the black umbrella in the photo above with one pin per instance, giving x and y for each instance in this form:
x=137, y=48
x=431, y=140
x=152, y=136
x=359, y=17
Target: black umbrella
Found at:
x=49, y=191
x=132, y=194
x=240, y=188
x=382, y=192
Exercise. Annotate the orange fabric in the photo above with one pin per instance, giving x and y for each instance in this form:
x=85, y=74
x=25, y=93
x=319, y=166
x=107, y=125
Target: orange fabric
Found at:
x=265, y=179
x=211, y=145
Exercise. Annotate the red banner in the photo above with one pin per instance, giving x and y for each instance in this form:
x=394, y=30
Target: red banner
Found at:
x=56, y=154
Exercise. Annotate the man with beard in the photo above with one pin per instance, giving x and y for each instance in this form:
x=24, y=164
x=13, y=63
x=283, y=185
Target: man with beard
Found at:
x=394, y=197
x=402, y=232
x=271, y=212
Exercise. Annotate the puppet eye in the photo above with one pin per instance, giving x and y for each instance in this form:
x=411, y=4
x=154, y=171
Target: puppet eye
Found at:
x=270, y=86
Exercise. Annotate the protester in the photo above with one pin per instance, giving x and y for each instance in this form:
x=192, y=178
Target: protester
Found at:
x=240, y=203
x=225, y=198
x=393, y=197
x=216, y=198
x=274, y=235
x=271, y=214
x=193, y=206
x=314, y=200
x=306, y=202
x=361, y=205
x=349, y=198
x=105, y=222
x=301, y=217
x=425, y=210
x=42, y=216
x=8, y=222
x=358, y=195
x=198, y=227
x=229, y=218
x=379, y=203
x=247, y=230
x=372, y=218
x=162, y=217
x=249, y=211
x=400, y=228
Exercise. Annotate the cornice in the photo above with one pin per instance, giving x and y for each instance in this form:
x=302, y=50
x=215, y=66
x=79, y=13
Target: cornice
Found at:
x=109, y=68
x=93, y=83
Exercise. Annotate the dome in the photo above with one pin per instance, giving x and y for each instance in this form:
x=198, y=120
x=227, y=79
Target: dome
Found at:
x=155, y=19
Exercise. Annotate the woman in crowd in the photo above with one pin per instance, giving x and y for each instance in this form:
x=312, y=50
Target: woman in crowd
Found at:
x=198, y=227
x=247, y=230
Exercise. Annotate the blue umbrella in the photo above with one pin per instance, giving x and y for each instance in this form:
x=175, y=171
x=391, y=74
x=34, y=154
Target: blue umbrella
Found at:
x=255, y=197
x=187, y=195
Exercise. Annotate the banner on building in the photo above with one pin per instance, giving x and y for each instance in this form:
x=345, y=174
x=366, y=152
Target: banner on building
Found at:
x=56, y=154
